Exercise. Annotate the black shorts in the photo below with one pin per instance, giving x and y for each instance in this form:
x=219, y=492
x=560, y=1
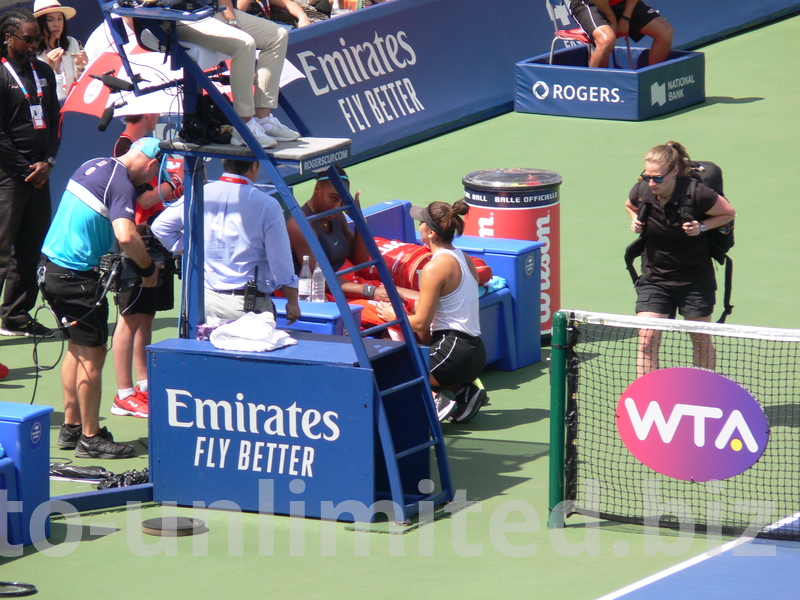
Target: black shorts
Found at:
x=146, y=301
x=76, y=296
x=691, y=301
x=456, y=358
x=590, y=18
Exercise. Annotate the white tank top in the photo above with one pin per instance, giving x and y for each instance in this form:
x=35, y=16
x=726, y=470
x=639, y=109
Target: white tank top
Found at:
x=459, y=309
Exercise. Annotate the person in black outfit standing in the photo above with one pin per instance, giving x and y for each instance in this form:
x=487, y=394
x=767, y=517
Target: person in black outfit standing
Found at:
x=677, y=269
x=29, y=140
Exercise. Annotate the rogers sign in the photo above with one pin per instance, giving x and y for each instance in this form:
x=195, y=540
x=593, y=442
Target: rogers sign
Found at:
x=692, y=424
x=582, y=93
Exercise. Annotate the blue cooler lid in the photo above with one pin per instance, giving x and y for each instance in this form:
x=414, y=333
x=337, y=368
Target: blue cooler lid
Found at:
x=15, y=412
x=474, y=243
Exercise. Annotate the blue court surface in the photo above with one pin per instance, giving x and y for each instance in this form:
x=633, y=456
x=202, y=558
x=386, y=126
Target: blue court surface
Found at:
x=742, y=570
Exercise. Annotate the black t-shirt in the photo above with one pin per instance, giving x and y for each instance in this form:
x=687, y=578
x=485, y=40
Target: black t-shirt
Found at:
x=20, y=143
x=671, y=256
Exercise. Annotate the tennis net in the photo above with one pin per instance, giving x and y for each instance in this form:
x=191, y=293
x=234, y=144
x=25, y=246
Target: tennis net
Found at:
x=675, y=423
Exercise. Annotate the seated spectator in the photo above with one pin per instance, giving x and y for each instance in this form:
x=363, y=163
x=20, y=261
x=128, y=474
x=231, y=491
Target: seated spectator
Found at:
x=287, y=13
x=325, y=6
x=238, y=35
x=446, y=314
x=606, y=20
x=62, y=52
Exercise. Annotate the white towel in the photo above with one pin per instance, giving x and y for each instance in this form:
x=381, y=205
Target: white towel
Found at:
x=253, y=332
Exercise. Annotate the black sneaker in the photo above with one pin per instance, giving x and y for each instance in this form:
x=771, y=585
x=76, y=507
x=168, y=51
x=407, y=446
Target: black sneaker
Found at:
x=444, y=405
x=30, y=329
x=469, y=400
x=68, y=436
x=102, y=445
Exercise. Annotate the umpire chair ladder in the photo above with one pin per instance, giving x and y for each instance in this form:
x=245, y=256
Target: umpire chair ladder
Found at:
x=400, y=375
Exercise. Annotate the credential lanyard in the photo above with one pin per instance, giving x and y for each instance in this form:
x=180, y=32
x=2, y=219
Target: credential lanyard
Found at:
x=15, y=75
x=233, y=179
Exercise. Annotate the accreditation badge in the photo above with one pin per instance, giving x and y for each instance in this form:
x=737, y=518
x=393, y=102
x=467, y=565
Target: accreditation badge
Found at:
x=37, y=116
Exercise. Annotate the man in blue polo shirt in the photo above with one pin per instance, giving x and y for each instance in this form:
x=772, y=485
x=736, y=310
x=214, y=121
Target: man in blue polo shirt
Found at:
x=96, y=210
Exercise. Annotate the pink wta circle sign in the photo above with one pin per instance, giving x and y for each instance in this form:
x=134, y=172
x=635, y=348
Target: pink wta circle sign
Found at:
x=692, y=424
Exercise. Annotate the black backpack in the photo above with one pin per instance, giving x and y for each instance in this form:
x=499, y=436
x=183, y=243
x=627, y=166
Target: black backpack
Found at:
x=720, y=239
x=205, y=126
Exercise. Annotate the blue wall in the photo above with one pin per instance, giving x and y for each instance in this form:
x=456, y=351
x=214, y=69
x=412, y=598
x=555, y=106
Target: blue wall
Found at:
x=457, y=59
x=435, y=65
x=405, y=70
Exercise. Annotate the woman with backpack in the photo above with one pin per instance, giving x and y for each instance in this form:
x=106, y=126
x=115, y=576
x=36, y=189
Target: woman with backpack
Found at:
x=677, y=270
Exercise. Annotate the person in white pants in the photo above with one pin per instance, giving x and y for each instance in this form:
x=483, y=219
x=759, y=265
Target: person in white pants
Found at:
x=239, y=35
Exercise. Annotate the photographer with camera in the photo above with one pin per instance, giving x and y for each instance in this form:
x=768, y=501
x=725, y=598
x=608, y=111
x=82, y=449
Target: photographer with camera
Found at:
x=96, y=210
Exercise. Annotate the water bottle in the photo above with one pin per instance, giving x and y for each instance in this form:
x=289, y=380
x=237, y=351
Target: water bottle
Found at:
x=318, y=285
x=337, y=8
x=304, y=286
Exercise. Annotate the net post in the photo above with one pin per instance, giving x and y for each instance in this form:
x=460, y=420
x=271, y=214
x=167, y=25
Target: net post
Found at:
x=558, y=398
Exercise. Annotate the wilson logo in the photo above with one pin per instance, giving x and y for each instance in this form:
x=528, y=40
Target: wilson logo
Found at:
x=543, y=235
x=692, y=424
x=486, y=226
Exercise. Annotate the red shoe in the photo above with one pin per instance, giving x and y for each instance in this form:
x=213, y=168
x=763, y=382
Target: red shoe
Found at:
x=133, y=406
x=3, y=371
x=144, y=395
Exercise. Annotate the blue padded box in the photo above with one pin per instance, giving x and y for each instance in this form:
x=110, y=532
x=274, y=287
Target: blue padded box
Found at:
x=519, y=263
x=25, y=436
x=623, y=92
x=10, y=526
x=316, y=317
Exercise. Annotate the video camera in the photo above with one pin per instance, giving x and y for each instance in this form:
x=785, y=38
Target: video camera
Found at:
x=118, y=272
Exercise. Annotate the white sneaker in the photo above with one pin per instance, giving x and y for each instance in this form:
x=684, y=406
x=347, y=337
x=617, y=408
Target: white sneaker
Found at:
x=444, y=406
x=274, y=128
x=255, y=128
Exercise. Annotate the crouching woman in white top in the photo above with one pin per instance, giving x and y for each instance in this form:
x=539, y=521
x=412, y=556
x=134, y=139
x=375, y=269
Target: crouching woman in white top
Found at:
x=446, y=313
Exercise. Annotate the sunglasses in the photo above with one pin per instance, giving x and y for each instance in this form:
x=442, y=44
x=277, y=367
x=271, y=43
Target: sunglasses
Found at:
x=27, y=39
x=656, y=178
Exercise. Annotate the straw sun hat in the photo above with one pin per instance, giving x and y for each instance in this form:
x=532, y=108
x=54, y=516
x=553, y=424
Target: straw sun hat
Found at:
x=45, y=7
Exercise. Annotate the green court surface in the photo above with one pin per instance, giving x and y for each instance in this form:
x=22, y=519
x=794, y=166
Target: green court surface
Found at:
x=499, y=545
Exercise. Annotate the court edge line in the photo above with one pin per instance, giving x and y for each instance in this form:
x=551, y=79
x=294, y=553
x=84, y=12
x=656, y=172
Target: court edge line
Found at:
x=783, y=522
x=676, y=568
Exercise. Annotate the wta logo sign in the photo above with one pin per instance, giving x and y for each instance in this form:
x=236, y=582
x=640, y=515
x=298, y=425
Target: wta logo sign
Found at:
x=692, y=424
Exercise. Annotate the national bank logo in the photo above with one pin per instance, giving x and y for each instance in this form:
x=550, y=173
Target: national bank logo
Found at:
x=692, y=424
x=674, y=89
x=658, y=94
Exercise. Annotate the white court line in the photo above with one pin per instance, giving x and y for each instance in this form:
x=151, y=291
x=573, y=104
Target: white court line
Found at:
x=696, y=560
x=675, y=569
x=783, y=522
